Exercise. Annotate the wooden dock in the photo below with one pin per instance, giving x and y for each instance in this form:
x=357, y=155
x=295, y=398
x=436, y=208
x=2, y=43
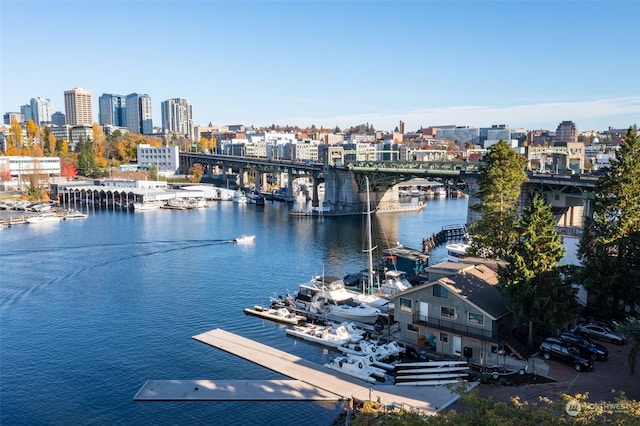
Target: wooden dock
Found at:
x=311, y=381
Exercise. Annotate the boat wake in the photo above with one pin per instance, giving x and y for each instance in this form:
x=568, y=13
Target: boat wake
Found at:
x=11, y=295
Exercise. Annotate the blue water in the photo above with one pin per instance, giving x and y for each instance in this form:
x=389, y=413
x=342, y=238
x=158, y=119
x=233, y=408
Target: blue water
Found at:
x=92, y=309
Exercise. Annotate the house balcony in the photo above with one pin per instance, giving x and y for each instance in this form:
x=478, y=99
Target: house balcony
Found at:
x=457, y=328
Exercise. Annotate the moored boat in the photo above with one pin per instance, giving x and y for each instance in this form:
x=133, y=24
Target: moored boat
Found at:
x=456, y=251
x=324, y=336
x=358, y=367
x=75, y=215
x=276, y=314
x=325, y=294
x=44, y=218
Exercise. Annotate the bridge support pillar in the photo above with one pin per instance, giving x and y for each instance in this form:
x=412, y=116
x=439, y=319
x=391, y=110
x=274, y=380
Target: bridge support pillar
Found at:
x=290, y=197
x=316, y=197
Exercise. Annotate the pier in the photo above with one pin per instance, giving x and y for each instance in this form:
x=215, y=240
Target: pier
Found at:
x=311, y=382
x=447, y=233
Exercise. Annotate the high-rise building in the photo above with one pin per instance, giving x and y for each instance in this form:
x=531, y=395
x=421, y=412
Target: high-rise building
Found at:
x=139, y=116
x=77, y=107
x=177, y=117
x=112, y=110
x=25, y=110
x=57, y=119
x=567, y=132
x=41, y=110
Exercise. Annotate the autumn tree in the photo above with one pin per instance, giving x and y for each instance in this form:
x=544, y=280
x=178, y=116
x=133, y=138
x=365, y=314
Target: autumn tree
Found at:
x=531, y=280
x=195, y=173
x=32, y=133
x=609, y=248
x=67, y=169
x=99, y=148
x=500, y=179
x=14, y=139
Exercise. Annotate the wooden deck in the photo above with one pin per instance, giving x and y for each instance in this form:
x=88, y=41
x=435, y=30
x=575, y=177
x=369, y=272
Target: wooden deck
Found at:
x=312, y=382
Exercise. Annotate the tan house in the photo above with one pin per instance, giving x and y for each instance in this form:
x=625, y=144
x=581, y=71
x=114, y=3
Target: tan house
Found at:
x=459, y=312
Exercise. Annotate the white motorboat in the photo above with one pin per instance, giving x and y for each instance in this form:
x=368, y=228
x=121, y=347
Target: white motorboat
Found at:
x=75, y=215
x=357, y=367
x=245, y=239
x=456, y=251
x=325, y=336
x=177, y=204
x=240, y=198
x=325, y=294
x=44, y=218
x=379, y=351
x=148, y=205
x=276, y=314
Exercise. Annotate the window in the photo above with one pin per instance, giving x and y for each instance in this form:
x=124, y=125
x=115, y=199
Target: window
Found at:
x=405, y=305
x=476, y=318
x=411, y=327
x=444, y=337
x=447, y=312
x=439, y=291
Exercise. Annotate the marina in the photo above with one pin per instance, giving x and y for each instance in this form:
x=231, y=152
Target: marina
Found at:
x=150, y=281
x=318, y=381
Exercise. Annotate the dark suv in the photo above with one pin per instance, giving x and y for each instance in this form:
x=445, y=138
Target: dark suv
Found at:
x=556, y=348
x=588, y=347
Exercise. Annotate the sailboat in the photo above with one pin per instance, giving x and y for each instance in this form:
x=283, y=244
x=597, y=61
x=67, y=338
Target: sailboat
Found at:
x=376, y=294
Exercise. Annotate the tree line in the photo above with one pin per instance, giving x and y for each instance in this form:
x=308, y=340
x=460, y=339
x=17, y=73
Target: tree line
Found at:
x=523, y=237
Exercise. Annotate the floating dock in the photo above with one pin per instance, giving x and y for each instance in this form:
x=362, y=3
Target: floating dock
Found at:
x=311, y=381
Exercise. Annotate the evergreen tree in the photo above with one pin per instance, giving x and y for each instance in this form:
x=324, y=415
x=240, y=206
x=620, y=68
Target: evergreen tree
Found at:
x=631, y=331
x=531, y=281
x=610, y=245
x=500, y=180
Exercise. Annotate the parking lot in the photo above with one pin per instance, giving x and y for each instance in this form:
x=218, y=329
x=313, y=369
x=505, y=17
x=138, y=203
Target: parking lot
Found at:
x=607, y=375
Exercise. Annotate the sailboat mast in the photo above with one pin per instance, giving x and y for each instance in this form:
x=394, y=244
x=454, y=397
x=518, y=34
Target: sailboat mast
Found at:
x=370, y=248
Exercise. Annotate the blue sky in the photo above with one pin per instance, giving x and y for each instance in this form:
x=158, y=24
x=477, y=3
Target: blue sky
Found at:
x=527, y=64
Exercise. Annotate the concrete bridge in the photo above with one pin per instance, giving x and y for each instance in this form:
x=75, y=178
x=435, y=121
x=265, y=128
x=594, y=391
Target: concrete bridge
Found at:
x=570, y=195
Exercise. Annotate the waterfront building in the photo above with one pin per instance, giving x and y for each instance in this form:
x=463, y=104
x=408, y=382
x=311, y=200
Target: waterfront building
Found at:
x=165, y=158
x=139, y=114
x=20, y=166
x=58, y=119
x=177, y=117
x=458, y=312
x=41, y=111
x=78, y=107
x=112, y=110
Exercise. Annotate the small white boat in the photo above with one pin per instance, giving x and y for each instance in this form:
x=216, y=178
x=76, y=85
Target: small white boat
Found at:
x=75, y=215
x=149, y=205
x=44, y=218
x=245, y=239
x=456, y=251
x=276, y=314
x=321, y=335
x=356, y=367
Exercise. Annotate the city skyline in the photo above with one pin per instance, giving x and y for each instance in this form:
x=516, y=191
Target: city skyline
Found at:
x=528, y=65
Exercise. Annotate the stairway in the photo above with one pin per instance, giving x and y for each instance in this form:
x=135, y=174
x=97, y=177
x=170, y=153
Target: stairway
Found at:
x=518, y=349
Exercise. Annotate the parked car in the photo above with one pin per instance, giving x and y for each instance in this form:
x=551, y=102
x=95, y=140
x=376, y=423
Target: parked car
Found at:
x=556, y=348
x=588, y=347
x=600, y=332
